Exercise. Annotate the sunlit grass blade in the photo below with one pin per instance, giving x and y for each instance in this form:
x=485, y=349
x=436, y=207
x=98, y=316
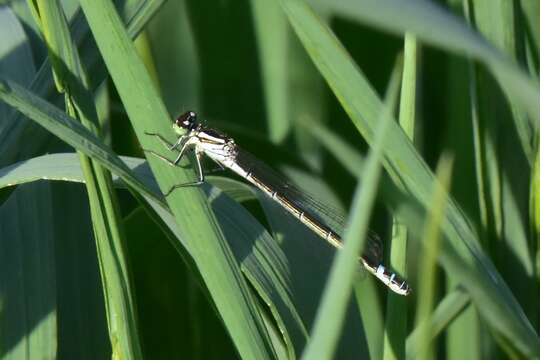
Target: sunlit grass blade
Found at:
x=460, y=247
x=273, y=40
x=371, y=310
x=331, y=312
x=396, y=317
x=427, y=279
x=535, y=209
x=110, y=238
x=66, y=167
x=228, y=289
x=448, y=309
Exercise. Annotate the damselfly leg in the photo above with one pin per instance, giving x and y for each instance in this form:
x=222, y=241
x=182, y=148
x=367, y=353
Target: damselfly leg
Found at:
x=165, y=142
x=184, y=145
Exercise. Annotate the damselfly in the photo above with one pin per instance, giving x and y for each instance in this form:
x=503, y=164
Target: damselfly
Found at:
x=316, y=216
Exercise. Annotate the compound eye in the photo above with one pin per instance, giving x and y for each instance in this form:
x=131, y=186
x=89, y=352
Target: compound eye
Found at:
x=187, y=120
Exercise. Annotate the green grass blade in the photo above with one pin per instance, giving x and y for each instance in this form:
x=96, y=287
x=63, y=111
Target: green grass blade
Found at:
x=15, y=52
x=28, y=320
x=460, y=249
x=331, y=312
x=531, y=12
x=194, y=217
x=396, y=319
x=499, y=22
x=82, y=319
x=273, y=35
x=66, y=167
x=371, y=310
x=535, y=209
x=448, y=310
x=176, y=57
x=262, y=262
x=110, y=238
x=69, y=130
x=428, y=268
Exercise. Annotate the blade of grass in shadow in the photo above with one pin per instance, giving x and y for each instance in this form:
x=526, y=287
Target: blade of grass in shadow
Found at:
x=195, y=219
x=396, y=306
x=330, y=314
x=307, y=88
x=15, y=53
x=531, y=12
x=370, y=308
x=535, y=209
x=273, y=33
x=28, y=304
x=448, y=309
x=428, y=267
x=460, y=247
x=109, y=235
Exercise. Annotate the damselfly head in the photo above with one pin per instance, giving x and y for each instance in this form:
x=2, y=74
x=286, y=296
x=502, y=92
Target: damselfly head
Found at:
x=187, y=121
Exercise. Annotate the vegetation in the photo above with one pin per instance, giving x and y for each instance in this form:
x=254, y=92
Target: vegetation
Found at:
x=419, y=116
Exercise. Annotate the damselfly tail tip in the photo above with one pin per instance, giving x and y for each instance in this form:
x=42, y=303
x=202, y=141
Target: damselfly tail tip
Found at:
x=401, y=289
x=392, y=280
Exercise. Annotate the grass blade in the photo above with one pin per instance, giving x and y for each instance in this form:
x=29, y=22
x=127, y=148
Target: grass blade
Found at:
x=428, y=267
x=110, y=237
x=28, y=324
x=331, y=312
x=396, y=319
x=194, y=217
x=273, y=34
x=447, y=311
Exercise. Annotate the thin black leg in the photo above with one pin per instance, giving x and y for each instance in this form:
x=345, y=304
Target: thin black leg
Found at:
x=200, y=174
x=168, y=161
